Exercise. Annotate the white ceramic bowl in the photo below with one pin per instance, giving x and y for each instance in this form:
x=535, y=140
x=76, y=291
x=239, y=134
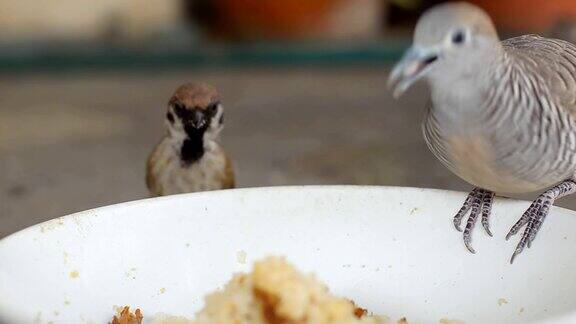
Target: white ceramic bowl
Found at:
x=393, y=250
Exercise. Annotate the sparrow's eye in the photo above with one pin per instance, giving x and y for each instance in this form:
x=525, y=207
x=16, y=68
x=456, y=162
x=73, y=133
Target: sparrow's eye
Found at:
x=179, y=109
x=212, y=108
x=458, y=37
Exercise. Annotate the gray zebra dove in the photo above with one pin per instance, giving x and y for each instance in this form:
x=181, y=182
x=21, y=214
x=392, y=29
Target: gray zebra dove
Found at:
x=502, y=114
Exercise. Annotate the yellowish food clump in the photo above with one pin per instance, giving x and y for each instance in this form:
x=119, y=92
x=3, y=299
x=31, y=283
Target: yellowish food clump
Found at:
x=276, y=293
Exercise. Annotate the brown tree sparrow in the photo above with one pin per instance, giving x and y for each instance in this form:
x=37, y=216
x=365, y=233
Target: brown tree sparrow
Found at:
x=189, y=158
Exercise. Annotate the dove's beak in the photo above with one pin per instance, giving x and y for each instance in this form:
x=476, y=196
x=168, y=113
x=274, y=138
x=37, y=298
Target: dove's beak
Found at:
x=413, y=65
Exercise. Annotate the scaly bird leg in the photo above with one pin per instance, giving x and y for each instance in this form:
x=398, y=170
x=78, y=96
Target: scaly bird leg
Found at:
x=480, y=202
x=536, y=214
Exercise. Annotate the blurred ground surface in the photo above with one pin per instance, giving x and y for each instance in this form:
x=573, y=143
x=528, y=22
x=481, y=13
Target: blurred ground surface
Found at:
x=70, y=142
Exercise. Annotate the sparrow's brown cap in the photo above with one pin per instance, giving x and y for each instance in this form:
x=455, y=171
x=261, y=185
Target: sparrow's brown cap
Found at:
x=195, y=96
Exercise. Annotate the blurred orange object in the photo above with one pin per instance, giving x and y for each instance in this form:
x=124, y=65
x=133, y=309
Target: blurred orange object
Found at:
x=275, y=18
x=529, y=15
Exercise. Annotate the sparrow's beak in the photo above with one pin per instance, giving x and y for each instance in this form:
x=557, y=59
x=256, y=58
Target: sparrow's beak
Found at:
x=198, y=119
x=413, y=65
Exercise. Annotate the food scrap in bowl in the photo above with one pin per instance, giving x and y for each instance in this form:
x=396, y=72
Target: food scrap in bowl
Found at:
x=127, y=317
x=275, y=292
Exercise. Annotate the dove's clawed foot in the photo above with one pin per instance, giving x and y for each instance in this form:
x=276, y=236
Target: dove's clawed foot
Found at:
x=536, y=213
x=479, y=201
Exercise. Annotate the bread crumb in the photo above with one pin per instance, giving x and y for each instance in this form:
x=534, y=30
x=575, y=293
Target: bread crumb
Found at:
x=502, y=301
x=360, y=312
x=126, y=317
x=241, y=257
x=73, y=274
x=451, y=321
x=167, y=319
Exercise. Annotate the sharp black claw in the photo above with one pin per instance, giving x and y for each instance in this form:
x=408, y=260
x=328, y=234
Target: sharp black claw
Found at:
x=478, y=202
x=513, y=257
x=519, y=248
x=469, y=247
x=536, y=214
x=487, y=229
x=521, y=222
x=487, y=201
x=457, y=220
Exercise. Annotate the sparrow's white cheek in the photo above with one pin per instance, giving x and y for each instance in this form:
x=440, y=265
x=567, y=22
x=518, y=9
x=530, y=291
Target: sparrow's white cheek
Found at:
x=175, y=128
x=217, y=120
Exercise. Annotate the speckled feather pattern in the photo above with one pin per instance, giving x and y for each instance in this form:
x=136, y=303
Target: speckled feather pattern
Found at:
x=523, y=135
x=502, y=114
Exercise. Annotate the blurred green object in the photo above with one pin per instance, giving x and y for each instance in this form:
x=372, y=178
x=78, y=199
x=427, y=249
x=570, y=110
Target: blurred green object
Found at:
x=407, y=4
x=75, y=57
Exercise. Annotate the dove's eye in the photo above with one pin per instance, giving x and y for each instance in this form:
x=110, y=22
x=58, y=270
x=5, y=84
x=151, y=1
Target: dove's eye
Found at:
x=458, y=37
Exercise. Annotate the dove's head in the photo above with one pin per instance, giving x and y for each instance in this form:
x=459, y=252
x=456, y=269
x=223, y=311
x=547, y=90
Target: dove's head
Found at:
x=450, y=39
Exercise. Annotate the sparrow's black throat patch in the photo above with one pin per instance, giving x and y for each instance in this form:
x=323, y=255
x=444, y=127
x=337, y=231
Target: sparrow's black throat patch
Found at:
x=192, y=148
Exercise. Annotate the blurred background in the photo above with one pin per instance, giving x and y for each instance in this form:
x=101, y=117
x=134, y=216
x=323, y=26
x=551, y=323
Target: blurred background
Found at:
x=84, y=87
